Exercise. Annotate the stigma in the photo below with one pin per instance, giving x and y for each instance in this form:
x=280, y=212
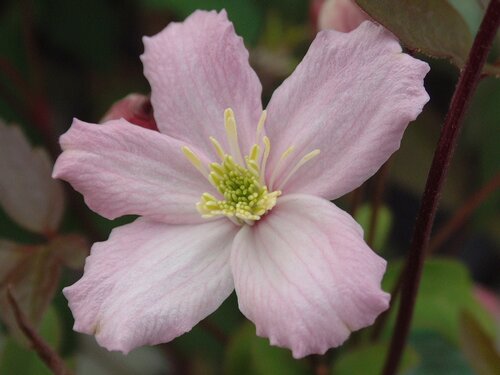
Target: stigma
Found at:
x=240, y=179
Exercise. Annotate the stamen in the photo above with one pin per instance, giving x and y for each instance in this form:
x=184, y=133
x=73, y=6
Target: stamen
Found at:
x=245, y=198
x=218, y=148
x=267, y=149
x=254, y=153
x=277, y=169
x=232, y=135
x=260, y=125
x=241, y=180
x=252, y=160
x=302, y=161
x=253, y=167
x=195, y=160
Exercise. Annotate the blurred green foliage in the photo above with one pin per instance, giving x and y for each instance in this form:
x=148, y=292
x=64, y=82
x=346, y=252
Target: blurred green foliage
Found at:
x=372, y=362
x=437, y=355
x=248, y=354
x=446, y=290
x=20, y=360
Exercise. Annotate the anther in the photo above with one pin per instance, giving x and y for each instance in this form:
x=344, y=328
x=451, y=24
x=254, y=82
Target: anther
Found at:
x=260, y=125
x=232, y=135
x=195, y=161
x=218, y=148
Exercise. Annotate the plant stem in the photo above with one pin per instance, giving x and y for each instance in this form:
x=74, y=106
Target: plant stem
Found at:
x=381, y=321
x=355, y=199
x=214, y=331
x=442, y=156
x=463, y=213
x=436, y=241
x=44, y=351
x=377, y=196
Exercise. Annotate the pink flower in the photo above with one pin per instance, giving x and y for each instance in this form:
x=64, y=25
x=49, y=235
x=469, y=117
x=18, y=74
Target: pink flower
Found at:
x=341, y=15
x=230, y=199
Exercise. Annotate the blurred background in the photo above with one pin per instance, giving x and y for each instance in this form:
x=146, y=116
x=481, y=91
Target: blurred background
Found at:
x=61, y=59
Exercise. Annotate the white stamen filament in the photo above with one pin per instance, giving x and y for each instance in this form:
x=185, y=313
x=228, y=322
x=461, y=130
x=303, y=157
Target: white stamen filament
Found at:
x=260, y=125
x=267, y=149
x=218, y=148
x=278, y=167
x=232, y=135
x=241, y=179
x=195, y=161
x=302, y=161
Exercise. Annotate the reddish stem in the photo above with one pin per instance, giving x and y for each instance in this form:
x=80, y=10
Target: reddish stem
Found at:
x=214, y=331
x=48, y=355
x=355, y=199
x=435, y=180
x=463, y=213
x=377, y=198
x=12, y=73
x=448, y=229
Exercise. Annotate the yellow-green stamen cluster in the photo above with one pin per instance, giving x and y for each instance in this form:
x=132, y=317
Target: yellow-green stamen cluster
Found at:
x=240, y=180
x=245, y=198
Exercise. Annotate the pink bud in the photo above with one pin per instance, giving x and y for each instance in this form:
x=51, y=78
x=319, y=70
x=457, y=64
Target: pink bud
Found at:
x=315, y=7
x=341, y=15
x=135, y=108
x=489, y=300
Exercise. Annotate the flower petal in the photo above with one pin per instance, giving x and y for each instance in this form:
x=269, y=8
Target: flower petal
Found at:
x=305, y=276
x=197, y=69
x=151, y=282
x=27, y=193
x=124, y=169
x=351, y=97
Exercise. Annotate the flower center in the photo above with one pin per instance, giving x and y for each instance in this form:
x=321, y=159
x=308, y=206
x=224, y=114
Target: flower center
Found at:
x=240, y=180
x=245, y=198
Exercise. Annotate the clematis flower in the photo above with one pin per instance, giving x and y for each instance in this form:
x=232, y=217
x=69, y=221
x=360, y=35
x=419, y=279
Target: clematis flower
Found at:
x=231, y=197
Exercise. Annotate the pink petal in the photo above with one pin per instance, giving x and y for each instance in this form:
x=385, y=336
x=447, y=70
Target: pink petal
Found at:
x=27, y=193
x=135, y=108
x=351, y=97
x=305, y=276
x=341, y=15
x=124, y=169
x=151, y=282
x=197, y=69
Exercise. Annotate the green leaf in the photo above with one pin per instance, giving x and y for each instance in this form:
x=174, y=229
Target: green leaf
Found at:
x=370, y=360
x=432, y=27
x=437, y=28
x=248, y=354
x=485, y=137
x=383, y=228
x=445, y=291
x=437, y=355
x=18, y=360
x=478, y=346
x=23, y=167
x=471, y=11
x=71, y=249
x=245, y=14
x=33, y=275
x=294, y=11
